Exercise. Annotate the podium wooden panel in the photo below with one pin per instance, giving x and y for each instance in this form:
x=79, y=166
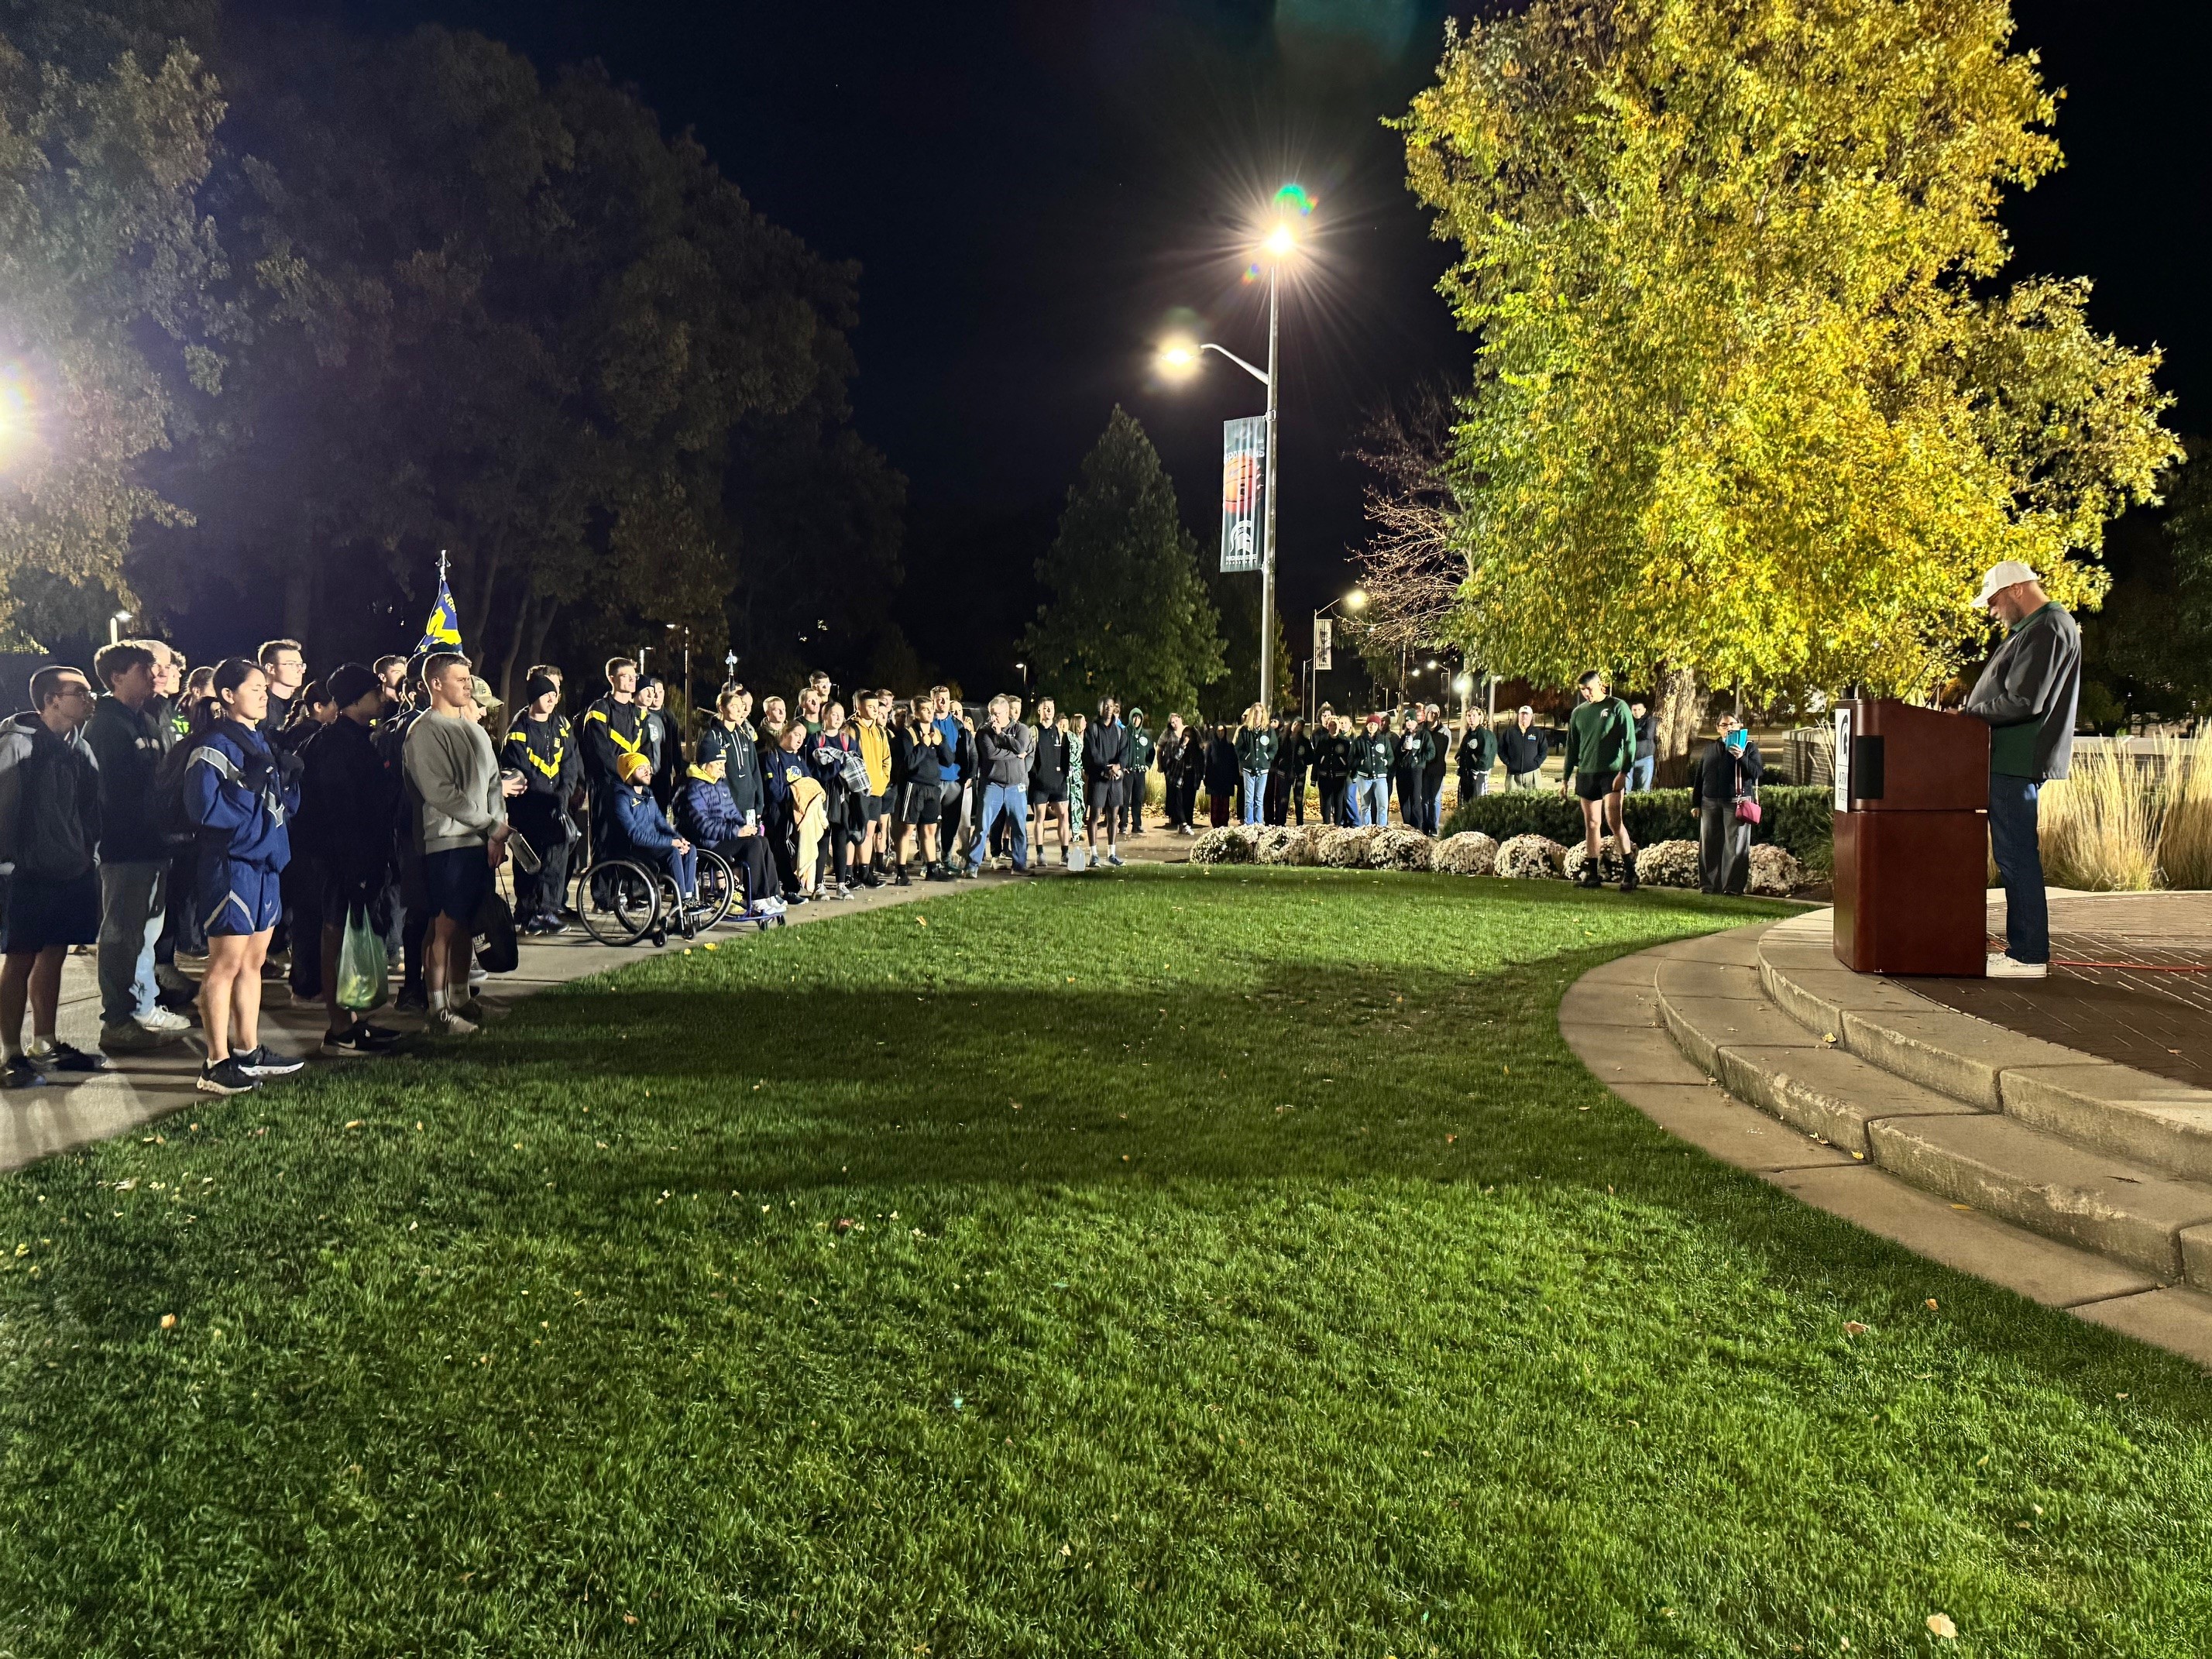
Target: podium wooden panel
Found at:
x=1911, y=846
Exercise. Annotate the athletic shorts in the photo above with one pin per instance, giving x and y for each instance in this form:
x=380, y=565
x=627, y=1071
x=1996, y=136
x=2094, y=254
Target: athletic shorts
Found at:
x=1102, y=795
x=42, y=914
x=237, y=898
x=873, y=809
x=1597, y=786
x=456, y=881
x=920, y=803
x=1047, y=794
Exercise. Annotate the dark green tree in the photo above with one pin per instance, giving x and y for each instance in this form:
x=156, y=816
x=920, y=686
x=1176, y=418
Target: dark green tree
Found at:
x=1126, y=612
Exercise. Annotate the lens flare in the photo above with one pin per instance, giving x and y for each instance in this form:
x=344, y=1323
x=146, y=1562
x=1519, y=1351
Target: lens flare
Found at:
x=1292, y=198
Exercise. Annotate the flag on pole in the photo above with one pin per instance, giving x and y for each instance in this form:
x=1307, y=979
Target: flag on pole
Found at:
x=443, y=631
x=1244, y=489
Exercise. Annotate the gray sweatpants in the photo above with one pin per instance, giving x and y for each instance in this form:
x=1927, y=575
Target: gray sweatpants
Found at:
x=1723, y=850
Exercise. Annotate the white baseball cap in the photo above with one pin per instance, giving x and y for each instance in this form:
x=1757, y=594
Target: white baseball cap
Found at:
x=2002, y=576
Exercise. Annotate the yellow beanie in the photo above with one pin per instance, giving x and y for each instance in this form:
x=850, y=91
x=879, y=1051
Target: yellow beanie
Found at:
x=631, y=765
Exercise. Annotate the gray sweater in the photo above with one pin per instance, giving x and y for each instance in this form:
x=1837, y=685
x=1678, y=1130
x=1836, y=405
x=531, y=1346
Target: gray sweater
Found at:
x=2028, y=693
x=452, y=779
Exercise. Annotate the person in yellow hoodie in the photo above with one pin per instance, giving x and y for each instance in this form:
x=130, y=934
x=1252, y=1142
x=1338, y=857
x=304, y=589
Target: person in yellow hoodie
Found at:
x=876, y=755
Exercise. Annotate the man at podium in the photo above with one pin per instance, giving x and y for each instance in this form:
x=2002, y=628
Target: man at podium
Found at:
x=2027, y=694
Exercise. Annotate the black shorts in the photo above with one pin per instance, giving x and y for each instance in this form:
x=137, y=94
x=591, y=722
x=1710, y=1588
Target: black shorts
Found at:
x=872, y=809
x=1597, y=786
x=456, y=881
x=922, y=803
x=1102, y=795
x=1048, y=795
x=44, y=913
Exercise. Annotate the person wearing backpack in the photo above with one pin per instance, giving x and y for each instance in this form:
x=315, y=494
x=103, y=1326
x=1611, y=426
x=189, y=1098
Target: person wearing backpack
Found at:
x=1601, y=749
x=124, y=735
x=241, y=794
x=50, y=829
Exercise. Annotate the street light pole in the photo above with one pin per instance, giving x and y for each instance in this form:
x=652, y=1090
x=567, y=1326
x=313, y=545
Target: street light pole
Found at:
x=1268, y=538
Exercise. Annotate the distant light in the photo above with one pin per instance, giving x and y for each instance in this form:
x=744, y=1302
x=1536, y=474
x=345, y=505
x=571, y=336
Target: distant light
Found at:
x=1463, y=684
x=1431, y=663
x=1178, y=357
x=1282, y=242
x=1355, y=598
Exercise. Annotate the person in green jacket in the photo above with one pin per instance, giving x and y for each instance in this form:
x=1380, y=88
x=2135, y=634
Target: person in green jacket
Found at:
x=1142, y=743
x=1372, y=752
x=1256, y=742
x=1478, y=753
x=1601, y=747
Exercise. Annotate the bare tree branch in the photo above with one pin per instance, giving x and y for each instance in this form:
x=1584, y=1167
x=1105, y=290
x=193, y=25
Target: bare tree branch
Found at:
x=1412, y=565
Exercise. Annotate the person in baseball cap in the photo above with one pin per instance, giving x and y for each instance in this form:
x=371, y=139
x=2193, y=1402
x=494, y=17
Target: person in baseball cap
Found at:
x=2027, y=693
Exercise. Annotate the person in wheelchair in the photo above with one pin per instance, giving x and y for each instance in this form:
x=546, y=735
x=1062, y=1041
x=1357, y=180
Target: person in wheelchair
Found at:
x=709, y=817
x=638, y=831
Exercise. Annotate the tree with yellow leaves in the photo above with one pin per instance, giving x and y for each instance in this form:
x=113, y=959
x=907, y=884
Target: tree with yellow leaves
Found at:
x=1748, y=402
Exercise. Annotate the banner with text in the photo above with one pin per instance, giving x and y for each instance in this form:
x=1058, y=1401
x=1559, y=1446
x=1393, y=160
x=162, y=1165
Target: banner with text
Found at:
x=1244, y=490
x=1324, y=644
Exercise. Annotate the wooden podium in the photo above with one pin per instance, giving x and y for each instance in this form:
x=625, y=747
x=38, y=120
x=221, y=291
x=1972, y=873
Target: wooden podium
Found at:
x=1911, y=839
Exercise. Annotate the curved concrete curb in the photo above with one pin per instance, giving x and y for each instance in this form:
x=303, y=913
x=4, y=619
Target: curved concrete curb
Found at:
x=1829, y=1121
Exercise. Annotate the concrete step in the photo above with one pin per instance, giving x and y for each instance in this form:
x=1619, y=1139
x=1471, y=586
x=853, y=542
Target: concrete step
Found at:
x=2048, y=1185
x=2102, y=1106
x=2042, y=1137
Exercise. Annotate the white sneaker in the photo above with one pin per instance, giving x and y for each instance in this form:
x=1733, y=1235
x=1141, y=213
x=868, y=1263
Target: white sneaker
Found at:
x=2002, y=966
x=478, y=975
x=164, y=1021
x=446, y=1023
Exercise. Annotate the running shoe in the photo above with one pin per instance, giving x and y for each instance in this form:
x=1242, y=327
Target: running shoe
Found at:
x=59, y=1056
x=263, y=1061
x=362, y=1039
x=226, y=1077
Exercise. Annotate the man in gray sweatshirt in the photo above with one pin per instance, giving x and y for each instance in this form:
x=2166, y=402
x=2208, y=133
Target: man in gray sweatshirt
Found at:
x=460, y=823
x=2028, y=693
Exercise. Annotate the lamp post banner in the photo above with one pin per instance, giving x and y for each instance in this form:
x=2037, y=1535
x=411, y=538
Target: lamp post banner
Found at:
x=1324, y=643
x=1244, y=490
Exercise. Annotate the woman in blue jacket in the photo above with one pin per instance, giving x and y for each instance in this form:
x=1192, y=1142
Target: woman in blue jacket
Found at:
x=240, y=795
x=709, y=818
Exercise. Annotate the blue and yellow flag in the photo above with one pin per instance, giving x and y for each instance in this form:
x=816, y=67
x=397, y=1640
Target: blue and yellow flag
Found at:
x=443, y=631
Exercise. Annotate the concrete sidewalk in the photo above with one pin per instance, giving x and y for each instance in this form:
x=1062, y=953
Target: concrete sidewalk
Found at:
x=36, y=1122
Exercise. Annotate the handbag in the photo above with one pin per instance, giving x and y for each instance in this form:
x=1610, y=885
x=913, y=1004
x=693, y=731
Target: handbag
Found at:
x=364, y=966
x=1747, y=810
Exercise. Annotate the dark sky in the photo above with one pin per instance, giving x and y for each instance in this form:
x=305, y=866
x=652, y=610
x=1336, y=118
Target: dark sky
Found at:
x=1032, y=189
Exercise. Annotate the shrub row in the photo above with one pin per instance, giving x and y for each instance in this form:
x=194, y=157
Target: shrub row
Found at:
x=1796, y=819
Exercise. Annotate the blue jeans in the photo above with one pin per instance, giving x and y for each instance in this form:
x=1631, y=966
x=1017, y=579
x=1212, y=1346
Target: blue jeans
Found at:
x=1370, y=802
x=1013, y=800
x=130, y=921
x=1639, y=776
x=2020, y=863
x=1256, y=796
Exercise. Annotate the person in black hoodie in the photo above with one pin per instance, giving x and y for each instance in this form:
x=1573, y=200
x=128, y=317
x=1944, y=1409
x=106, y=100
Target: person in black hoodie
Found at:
x=541, y=748
x=1048, y=778
x=1224, y=774
x=125, y=737
x=1726, y=774
x=341, y=844
x=1105, y=766
x=1179, y=757
x=1332, y=770
x=50, y=829
x=921, y=752
x=1522, y=745
x=730, y=738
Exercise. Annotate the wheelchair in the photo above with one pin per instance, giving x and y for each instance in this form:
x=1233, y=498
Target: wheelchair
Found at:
x=621, y=901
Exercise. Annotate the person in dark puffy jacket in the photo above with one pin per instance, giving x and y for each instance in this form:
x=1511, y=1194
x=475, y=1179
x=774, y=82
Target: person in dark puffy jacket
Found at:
x=49, y=827
x=708, y=817
x=125, y=737
x=241, y=794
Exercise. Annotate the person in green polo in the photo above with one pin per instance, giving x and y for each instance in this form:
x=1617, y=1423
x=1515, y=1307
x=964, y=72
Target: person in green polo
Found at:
x=1601, y=747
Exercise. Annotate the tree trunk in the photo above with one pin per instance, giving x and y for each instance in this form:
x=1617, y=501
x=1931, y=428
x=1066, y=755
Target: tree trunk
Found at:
x=300, y=597
x=1681, y=714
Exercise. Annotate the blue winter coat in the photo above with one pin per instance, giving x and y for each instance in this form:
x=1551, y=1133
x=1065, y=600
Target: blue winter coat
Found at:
x=638, y=822
x=242, y=795
x=706, y=814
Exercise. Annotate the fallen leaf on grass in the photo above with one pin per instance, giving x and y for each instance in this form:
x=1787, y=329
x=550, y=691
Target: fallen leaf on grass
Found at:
x=1931, y=1305
x=1852, y=1326
x=1940, y=1624
x=168, y=1321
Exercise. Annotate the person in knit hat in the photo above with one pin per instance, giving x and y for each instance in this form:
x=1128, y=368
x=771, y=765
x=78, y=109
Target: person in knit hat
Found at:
x=541, y=749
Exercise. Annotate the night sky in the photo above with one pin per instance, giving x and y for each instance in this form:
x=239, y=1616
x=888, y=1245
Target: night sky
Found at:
x=1032, y=190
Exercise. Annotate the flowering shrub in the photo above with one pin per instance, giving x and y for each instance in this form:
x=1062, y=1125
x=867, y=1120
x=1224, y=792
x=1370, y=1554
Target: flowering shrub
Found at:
x=1400, y=850
x=1229, y=844
x=1470, y=853
x=1670, y=863
x=1343, y=849
x=1531, y=858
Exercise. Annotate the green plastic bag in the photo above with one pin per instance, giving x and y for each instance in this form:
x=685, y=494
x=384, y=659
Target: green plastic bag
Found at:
x=364, y=966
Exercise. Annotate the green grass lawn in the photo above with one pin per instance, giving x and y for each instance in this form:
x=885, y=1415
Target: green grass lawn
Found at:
x=1172, y=1262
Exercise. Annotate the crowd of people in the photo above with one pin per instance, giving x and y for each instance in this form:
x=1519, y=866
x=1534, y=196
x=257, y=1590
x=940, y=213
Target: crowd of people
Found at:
x=243, y=817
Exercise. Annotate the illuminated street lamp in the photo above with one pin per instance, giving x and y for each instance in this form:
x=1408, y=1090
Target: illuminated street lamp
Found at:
x=1180, y=357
